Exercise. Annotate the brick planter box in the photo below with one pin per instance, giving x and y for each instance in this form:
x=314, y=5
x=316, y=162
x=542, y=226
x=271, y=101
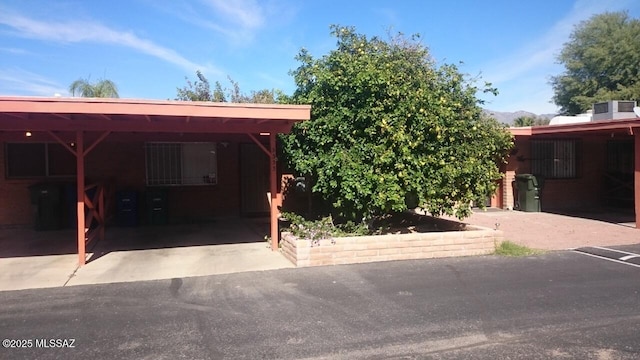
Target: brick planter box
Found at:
x=472, y=240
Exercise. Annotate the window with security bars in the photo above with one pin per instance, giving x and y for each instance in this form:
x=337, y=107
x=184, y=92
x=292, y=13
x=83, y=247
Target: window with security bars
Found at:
x=175, y=164
x=554, y=159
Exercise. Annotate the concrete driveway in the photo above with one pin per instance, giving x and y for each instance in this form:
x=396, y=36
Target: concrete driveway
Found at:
x=30, y=259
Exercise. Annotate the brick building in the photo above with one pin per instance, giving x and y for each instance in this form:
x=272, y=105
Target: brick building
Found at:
x=588, y=165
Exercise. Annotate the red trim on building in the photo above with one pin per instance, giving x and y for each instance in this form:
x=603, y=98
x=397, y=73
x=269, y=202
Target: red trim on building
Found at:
x=603, y=129
x=98, y=118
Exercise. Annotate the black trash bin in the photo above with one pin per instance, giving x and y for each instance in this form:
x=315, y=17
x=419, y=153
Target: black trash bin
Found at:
x=127, y=208
x=48, y=206
x=528, y=190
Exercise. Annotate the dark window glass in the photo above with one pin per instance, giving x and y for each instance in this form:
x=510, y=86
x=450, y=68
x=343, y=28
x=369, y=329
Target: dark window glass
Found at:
x=26, y=160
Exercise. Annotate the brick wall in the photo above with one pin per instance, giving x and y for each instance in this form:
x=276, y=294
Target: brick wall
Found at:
x=507, y=190
x=361, y=249
x=583, y=191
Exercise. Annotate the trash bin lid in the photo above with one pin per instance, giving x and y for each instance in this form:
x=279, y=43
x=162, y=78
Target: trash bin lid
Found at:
x=525, y=176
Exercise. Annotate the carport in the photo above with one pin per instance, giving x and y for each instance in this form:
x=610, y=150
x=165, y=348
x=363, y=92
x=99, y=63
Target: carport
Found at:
x=81, y=124
x=596, y=163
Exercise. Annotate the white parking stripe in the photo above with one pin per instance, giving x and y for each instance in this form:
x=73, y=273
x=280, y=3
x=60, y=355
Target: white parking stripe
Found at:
x=620, y=251
x=625, y=258
x=606, y=258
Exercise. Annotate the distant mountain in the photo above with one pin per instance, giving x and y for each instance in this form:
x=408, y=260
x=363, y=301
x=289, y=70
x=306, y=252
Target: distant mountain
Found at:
x=508, y=117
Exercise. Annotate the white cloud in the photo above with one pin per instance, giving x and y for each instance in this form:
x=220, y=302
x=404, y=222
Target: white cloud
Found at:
x=245, y=13
x=14, y=51
x=86, y=31
x=17, y=81
x=238, y=22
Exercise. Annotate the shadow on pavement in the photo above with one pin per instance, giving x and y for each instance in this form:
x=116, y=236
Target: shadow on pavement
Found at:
x=28, y=242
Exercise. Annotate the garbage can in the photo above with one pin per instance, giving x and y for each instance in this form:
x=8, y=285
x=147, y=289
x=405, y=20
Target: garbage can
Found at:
x=48, y=207
x=157, y=206
x=127, y=208
x=528, y=190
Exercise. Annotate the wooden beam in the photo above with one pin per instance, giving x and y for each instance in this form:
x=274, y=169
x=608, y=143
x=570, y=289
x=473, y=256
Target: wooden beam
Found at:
x=66, y=117
x=82, y=255
x=62, y=142
x=273, y=170
x=21, y=116
x=98, y=140
x=264, y=149
x=139, y=125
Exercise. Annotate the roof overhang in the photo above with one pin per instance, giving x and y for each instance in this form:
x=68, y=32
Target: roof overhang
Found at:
x=134, y=115
x=628, y=126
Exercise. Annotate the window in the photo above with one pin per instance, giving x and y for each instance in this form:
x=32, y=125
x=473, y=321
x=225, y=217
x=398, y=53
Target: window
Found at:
x=173, y=164
x=29, y=160
x=555, y=159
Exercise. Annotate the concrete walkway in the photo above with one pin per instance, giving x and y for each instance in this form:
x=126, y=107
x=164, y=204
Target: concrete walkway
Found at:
x=549, y=231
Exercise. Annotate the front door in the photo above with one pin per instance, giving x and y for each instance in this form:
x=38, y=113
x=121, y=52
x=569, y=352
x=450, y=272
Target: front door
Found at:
x=254, y=180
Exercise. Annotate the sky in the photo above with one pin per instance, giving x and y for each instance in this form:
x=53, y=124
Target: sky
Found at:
x=149, y=47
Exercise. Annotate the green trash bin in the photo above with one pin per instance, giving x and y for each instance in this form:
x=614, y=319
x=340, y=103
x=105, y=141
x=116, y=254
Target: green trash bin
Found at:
x=48, y=206
x=528, y=190
x=157, y=206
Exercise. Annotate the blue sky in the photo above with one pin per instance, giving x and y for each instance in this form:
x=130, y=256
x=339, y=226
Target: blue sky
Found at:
x=148, y=47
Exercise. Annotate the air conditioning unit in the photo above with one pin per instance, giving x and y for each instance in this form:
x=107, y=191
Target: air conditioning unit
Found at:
x=613, y=109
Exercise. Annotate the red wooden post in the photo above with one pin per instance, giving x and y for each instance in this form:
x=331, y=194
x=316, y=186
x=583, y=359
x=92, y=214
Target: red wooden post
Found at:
x=82, y=256
x=637, y=175
x=274, y=190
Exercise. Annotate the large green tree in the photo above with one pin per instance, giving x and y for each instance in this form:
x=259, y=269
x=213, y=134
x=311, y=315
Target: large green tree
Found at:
x=602, y=62
x=390, y=129
x=102, y=88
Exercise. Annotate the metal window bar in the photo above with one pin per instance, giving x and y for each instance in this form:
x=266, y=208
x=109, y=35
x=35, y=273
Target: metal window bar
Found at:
x=172, y=164
x=554, y=158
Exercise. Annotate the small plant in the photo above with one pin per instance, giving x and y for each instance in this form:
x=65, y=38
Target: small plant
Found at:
x=508, y=248
x=324, y=228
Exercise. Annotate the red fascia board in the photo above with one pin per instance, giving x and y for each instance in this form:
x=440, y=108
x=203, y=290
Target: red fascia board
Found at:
x=269, y=112
x=138, y=125
x=603, y=125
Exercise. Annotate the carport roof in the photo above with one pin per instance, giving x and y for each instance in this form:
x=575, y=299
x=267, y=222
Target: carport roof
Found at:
x=138, y=115
x=623, y=125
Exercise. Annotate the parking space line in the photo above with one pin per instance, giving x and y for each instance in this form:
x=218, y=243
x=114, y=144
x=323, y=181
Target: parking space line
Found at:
x=615, y=250
x=628, y=257
x=606, y=258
